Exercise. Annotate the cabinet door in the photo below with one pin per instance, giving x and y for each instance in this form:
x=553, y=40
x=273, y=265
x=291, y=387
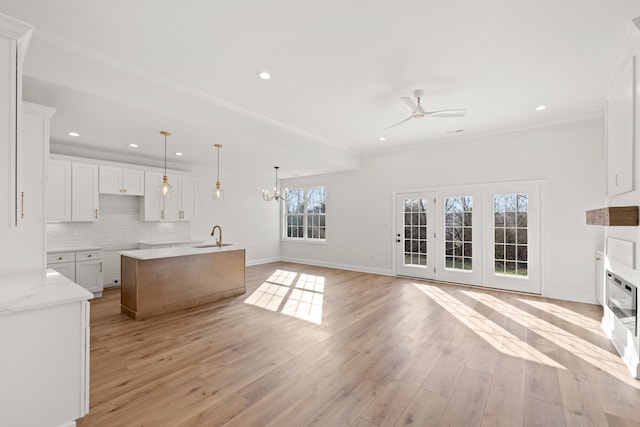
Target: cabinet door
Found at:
x=151, y=205
x=110, y=180
x=171, y=211
x=133, y=182
x=59, y=191
x=187, y=197
x=84, y=192
x=620, y=132
x=89, y=275
x=67, y=269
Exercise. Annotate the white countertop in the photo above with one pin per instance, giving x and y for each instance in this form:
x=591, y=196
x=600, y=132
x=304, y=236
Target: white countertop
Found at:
x=74, y=249
x=37, y=289
x=145, y=254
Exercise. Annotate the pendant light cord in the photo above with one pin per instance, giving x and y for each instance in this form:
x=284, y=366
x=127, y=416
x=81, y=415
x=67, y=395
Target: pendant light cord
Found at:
x=165, y=155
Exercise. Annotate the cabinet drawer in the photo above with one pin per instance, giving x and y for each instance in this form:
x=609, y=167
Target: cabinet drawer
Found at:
x=61, y=257
x=88, y=255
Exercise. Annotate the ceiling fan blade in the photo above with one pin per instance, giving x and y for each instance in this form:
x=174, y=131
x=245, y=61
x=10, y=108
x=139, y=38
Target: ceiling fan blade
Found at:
x=409, y=103
x=399, y=123
x=446, y=113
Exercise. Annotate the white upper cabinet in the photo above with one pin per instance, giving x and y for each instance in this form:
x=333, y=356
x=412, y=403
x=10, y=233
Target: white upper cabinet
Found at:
x=84, y=192
x=59, y=191
x=119, y=180
x=151, y=205
x=620, y=131
x=14, y=39
x=187, y=198
x=180, y=206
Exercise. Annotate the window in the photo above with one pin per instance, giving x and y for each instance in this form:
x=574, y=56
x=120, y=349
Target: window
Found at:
x=415, y=232
x=458, y=232
x=305, y=214
x=511, y=234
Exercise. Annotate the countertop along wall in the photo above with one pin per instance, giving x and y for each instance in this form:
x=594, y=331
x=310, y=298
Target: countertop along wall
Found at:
x=568, y=158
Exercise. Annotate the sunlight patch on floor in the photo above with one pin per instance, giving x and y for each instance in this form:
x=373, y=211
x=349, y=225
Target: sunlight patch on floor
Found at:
x=495, y=335
x=281, y=293
x=596, y=356
x=565, y=314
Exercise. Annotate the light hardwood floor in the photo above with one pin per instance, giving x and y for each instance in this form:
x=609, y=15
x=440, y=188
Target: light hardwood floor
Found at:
x=319, y=346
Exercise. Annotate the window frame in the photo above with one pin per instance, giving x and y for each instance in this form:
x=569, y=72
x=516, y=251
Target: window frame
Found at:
x=305, y=217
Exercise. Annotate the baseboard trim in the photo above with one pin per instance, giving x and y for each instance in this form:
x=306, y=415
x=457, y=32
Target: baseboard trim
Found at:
x=261, y=261
x=360, y=269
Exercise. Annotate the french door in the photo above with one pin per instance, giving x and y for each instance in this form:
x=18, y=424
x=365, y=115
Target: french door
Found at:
x=479, y=235
x=415, y=228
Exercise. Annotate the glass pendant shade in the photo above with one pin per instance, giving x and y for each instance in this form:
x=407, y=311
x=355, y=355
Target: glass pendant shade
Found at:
x=218, y=193
x=166, y=190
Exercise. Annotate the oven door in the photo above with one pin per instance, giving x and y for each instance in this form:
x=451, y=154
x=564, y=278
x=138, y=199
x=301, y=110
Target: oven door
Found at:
x=622, y=300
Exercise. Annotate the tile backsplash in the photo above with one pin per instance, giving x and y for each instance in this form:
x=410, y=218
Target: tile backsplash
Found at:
x=119, y=227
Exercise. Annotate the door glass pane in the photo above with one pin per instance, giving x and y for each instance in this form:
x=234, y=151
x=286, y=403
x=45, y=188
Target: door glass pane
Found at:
x=415, y=232
x=510, y=235
x=458, y=230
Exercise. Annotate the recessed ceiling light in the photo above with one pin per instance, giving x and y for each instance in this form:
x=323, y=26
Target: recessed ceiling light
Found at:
x=382, y=138
x=264, y=75
x=541, y=107
x=178, y=154
x=132, y=145
x=74, y=134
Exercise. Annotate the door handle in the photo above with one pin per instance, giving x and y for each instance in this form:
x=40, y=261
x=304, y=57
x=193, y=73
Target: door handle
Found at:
x=398, y=240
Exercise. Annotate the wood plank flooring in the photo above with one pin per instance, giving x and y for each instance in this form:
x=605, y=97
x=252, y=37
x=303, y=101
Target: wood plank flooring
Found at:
x=326, y=347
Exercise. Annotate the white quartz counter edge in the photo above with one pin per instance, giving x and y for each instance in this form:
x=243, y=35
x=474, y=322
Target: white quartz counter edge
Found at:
x=74, y=249
x=145, y=254
x=35, y=289
x=172, y=242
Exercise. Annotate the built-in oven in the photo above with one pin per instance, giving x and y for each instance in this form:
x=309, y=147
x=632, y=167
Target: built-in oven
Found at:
x=622, y=299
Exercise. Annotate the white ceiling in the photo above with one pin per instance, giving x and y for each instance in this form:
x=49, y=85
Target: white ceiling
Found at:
x=119, y=71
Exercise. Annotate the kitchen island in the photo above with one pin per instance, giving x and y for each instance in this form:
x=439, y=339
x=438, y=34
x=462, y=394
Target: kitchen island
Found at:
x=158, y=281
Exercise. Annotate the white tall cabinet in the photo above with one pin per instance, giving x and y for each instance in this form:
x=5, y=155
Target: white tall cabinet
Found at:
x=21, y=247
x=621, y=255
x=44, y=322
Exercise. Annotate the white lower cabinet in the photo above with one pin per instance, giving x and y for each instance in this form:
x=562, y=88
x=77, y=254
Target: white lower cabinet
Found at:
x=83, y=267
x=45, y=365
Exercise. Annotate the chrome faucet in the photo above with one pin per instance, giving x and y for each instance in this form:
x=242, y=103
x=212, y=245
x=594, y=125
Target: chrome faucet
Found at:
x=213, y=232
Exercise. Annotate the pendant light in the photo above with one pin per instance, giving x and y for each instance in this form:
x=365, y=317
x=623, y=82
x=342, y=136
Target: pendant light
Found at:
x=218, y=193
x=276, y=193
x=165, y=188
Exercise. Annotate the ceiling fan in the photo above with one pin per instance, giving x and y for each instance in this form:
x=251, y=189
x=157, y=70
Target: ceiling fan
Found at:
x=418, y=110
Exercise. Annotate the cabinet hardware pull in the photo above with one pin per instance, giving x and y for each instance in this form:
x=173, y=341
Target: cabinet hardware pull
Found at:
x=22, y=203
x=89, y=255
x=59, y=258
x=162, y=214
x=96, y=213
x=124, y=189
x=100, y=267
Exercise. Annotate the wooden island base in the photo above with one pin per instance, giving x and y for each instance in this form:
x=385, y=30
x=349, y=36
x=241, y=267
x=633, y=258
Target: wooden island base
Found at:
x=151, y=287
